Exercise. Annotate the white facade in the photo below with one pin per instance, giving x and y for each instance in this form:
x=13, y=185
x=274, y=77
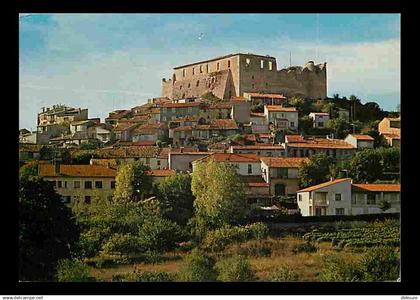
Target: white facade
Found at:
x=319, y=119
x=282, y=119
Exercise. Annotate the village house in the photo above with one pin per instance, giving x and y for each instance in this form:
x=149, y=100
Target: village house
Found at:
x=343, y=114
x=61, y=115
x=390, y=129
x=181, y=160
x=219, y=127
x=319, y=119
x=265, y=99
x=150, y=132
x=299, y=146
x=76, y=183
x=281, y=173
x=342, y=197
x=259, y=149
x=29, y=151
x=102, y=133
x=360, y=141
x=171, y=111
x=282, y=118
x=117, y=115
x=123, y=131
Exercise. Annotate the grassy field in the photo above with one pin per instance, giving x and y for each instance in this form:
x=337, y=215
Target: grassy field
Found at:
x=306, y=265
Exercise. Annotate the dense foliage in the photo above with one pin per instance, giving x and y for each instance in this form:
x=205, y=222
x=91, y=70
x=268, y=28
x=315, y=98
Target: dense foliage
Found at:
x=47, y=229
x=197, y=266
x=283, y=274
x=316, y=171
x=132, y=182
x=234, y=269
x=71, y=270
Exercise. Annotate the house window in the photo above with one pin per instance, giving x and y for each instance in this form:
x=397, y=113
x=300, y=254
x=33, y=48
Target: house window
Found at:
x=337, y=197
x=158, y=162
x=189, y=85
x=249, y=169
x=339, y=211
x=98, y=184
x=183, y=73
x=281, y=172
x=180, y=87
x=88, y=184
x=147, y=160
x=228, y=63
x=76, y=184
x=371, y=198
x=353, y=200
x=269, y=154
x=300, y=197
x=112, y=184
x=253, y=85
x=173, y=110
x=87, y=199
x=270, y=65
x=292, y=124
x=59, y=184
x=262, y=64
x=320, y=124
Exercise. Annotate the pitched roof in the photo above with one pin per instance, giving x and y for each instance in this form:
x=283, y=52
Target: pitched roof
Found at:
x=270, y=96
x=280, y=108
x=257, y=115
x=376, y=187
x=298, y=141
x=48, y=170
x=320, y=113
x=161, y=173
x=188, y=104
x=232, y=157
x=255, y=181
x=284, y=162
x=259, y=147
x=362, y=137
x=322, y=185
x=110, y=163
x=129, y=151
x=392, y=136
x=121, y=126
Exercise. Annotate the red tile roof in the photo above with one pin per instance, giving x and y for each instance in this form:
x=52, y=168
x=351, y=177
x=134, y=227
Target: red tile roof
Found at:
x=161, y=173
x=232, y=157
x=363, y=137
x=298, y=141
x=259, y=147
x=216, y=124
x=129, y=151
x=284, y=162
x=376, y=187
x=325, y=184
x=188, y=104
x=255, y=181
x=122, y=126
x=48, y=170
x=281, y=108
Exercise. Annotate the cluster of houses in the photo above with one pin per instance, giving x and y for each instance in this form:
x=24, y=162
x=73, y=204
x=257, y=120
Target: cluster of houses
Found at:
x=172, y=136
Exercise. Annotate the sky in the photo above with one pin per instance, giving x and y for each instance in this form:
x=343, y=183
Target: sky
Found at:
x=105, y=62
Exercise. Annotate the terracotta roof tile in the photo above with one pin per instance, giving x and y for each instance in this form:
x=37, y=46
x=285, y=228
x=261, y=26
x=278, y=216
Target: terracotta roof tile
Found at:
x=48, y=170
x=188, y=104
x=376, y=187
x=232, y=157
x=363, y=137
x=281, y=108
x=284, y=162
x=162, y=173
x=325, y=184
x=270, y=96
x=259, y=147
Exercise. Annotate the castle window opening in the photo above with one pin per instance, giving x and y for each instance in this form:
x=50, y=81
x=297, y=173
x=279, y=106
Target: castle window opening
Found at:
x=218, y=66
x=193, y=71
x=207, y=68
x=252, y=77
x=262, y=64
x=228, y=63
x=253, y=85
x=270, y=65
x=247, y=61
x=201, y=69
x=184, y=72
x=180, y=87
x=198, y=83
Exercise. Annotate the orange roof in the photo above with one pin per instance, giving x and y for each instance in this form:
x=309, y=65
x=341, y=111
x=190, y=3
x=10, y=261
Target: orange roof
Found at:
x=325, y=184
x=392, y=136
x=293, y=138
x=232, y=157
x=298, y=141
x=121, y=126
x=111, y=163
x=161, y=173
x=255, y=181
x=264, y=135
x=220, y=105
x=129, y=151
x=281, y=108
x=363, y=137
x=376, y=187
x=238, y=98
x=215, y=124
x=270, y=96
x=188, y=104
x=259, y=147
x=284, y=162
x=48, y=170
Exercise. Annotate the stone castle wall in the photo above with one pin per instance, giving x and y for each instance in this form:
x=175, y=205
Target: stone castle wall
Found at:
x=233, y=75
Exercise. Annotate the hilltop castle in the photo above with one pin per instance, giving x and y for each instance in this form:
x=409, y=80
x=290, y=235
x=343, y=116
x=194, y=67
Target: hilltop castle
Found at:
x=234, y=74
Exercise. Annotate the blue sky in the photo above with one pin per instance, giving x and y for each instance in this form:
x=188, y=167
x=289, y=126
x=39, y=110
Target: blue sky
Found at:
x=115, y=61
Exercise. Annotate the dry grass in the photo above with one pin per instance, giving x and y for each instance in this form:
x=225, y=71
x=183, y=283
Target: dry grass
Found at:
x=306, y=265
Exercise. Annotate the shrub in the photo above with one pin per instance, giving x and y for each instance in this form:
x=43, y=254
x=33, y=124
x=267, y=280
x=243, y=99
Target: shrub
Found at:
x=258, y=230
x=197, y=267
x=283, y=273
x=306, y=247
x=235, y=268
x=218, y=239
x=380, y=264
x=152, y=257
x=337, y=269
x=145, y=277
x=73, y=271
x=255, y=251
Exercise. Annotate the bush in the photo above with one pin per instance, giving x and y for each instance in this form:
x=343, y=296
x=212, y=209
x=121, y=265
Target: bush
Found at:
x=144, y=277
x=256, y=251
x=197, y=267
x=304, y=247
x=73, y=271
x=258, y=230
x=217, y=240
x=152, y=257
x=380, y=264
x=282, y=274
x=337, y=269
x=235, y=268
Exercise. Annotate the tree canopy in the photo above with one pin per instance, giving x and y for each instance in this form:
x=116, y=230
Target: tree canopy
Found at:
x=316, y=171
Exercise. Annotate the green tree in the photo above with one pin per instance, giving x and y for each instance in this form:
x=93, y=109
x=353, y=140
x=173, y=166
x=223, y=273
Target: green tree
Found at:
x=72, y=270
x=89, y=146
x=47, y=231
x=29, y=169
x=339, y=127
x=371, y=128
x=132, y=182
x=366, y=166
x=83, y=157
x=380, y=264
x=317, y=170
x=174, y=194
x=305, y=125
x=219, y=192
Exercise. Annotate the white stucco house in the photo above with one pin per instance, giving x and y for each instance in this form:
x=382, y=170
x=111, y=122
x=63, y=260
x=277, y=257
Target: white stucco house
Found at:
x=319, y=119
